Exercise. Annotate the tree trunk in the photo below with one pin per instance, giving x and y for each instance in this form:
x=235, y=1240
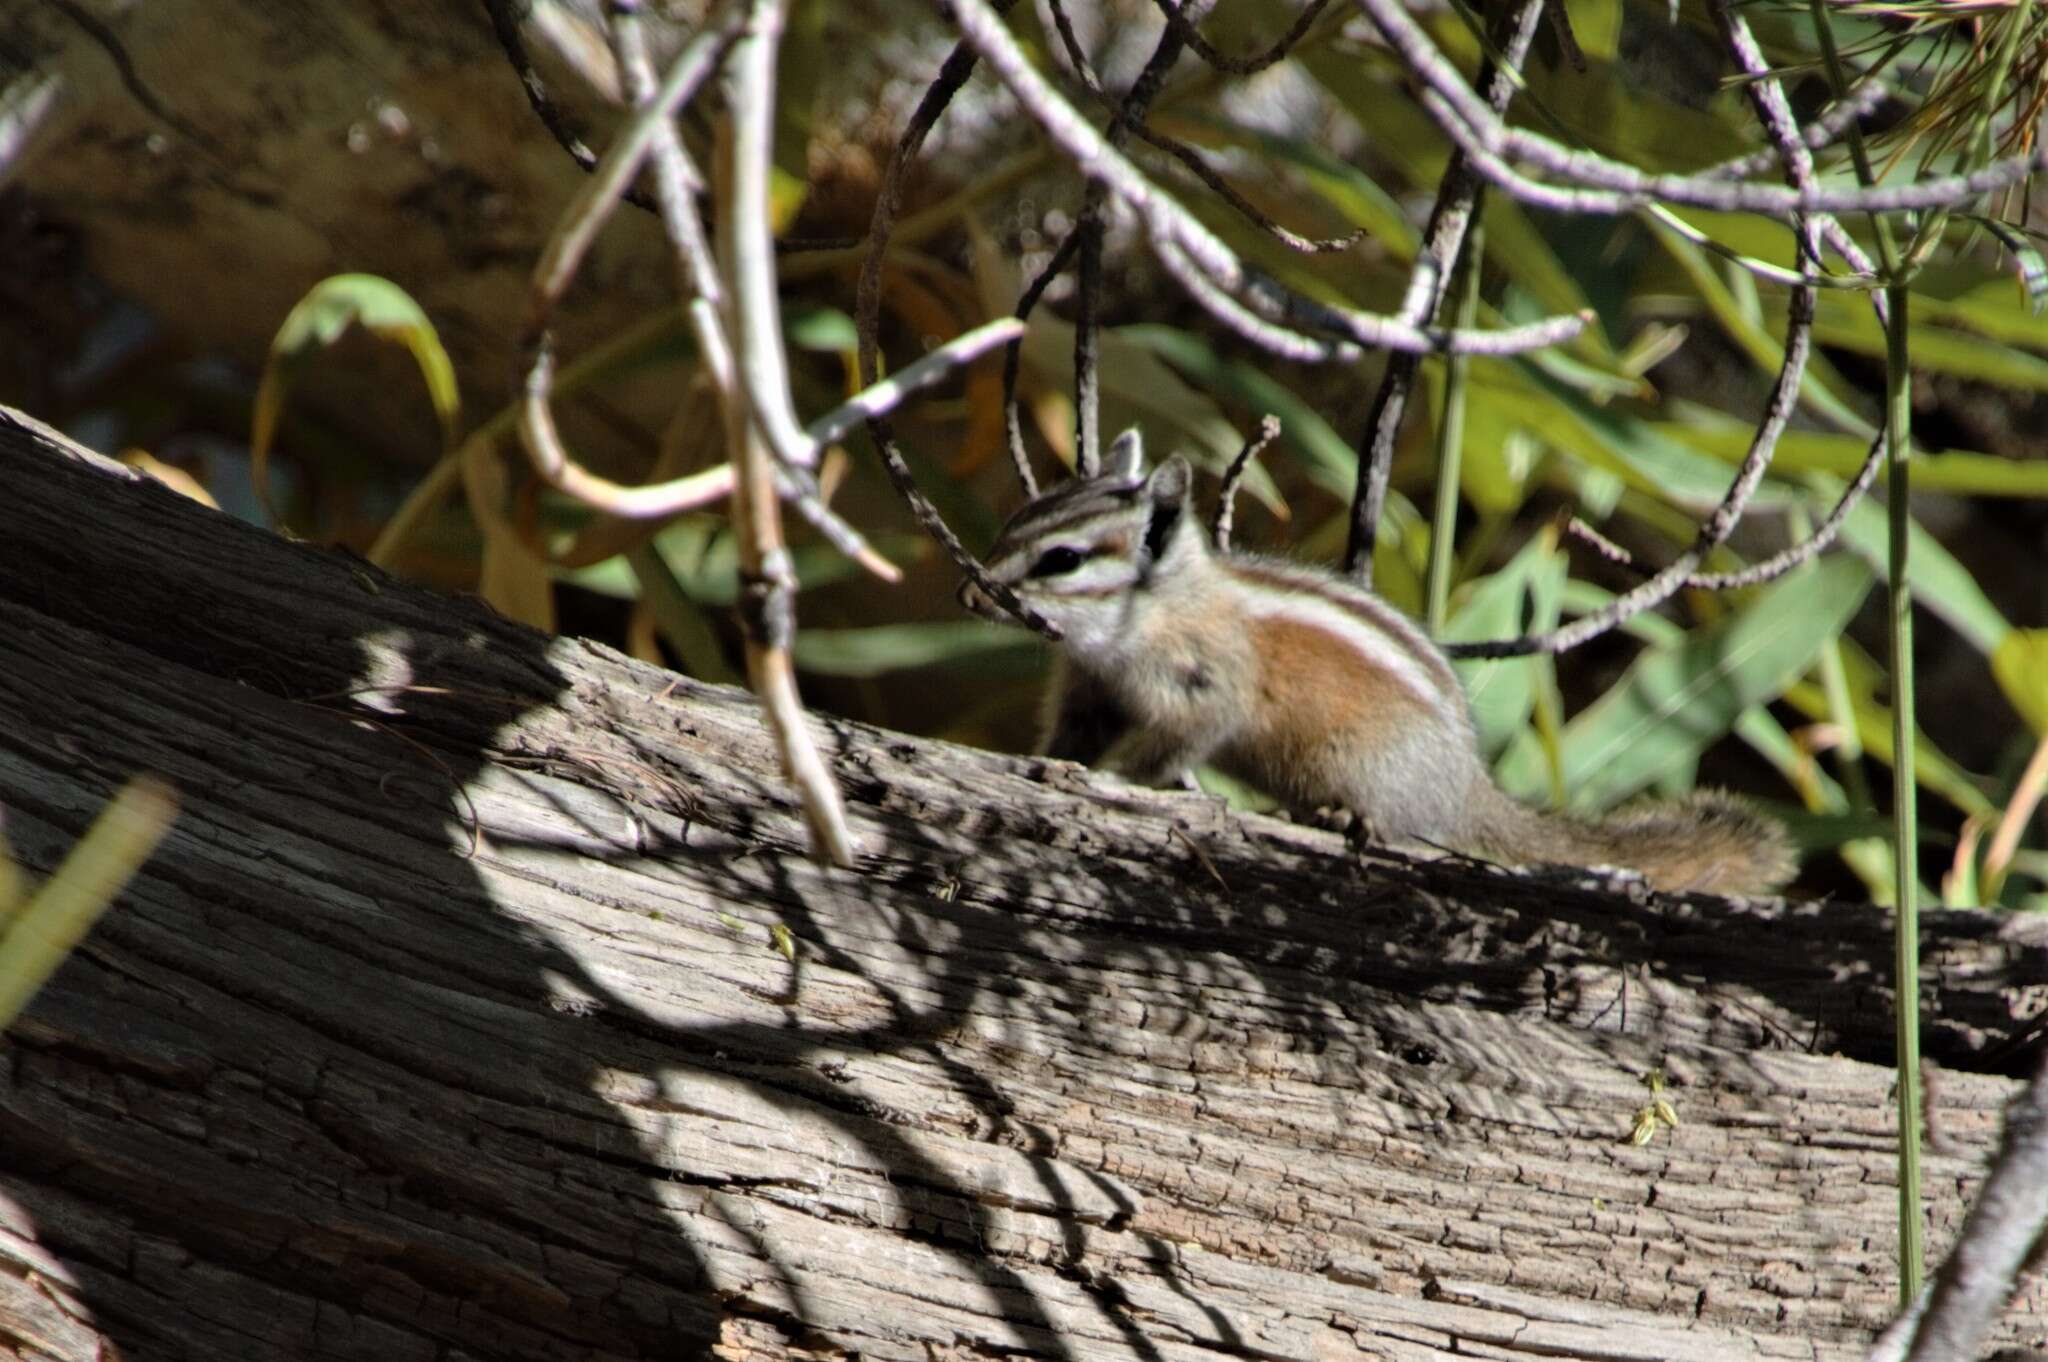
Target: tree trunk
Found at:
x=448, y=1023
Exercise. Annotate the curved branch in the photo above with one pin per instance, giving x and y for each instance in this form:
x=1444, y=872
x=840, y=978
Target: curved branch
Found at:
x=1185, y=31
x=1713, y=531
x=1602, y=185
x=1443, y=241
x=867, y=312
x=1169, y=225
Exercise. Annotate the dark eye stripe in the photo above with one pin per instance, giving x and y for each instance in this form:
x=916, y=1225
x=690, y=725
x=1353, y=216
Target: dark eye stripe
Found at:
x=1057, y=561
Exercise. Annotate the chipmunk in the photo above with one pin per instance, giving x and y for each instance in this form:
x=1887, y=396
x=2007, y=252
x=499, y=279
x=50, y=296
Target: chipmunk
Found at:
x=1295, y=681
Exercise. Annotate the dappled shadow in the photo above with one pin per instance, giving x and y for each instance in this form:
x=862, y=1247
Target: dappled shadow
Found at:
x=427, y=1031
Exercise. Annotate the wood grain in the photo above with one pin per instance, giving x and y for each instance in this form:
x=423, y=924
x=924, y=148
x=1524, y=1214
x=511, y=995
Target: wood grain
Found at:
x=447, y=1025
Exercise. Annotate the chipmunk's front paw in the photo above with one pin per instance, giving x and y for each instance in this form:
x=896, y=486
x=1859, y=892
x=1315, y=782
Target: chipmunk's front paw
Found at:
x=1336, y=818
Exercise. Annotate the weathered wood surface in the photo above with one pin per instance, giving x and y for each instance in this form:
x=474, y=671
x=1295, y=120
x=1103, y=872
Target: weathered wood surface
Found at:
x=446, y=1025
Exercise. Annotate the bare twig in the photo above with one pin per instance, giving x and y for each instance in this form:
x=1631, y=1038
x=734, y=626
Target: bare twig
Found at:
x=1783, y=561
x=2003, y=1231
x=1168, y=225
x=1599, y=543
x=880, y=398
x=1013, y=355
x=1192, y=161
x=1818, y=135
x=1226, y=500
x=1713, y=531
x=1285, y=342
x=753, y=318
x=1601, y=185
x=1443, y=241
x=953, y=74
x=505, y=25
x=1077, y=60
x=1182, y=25
x=651, y=132
x=1092, y=223
x=588, y=211
x=1189, y=158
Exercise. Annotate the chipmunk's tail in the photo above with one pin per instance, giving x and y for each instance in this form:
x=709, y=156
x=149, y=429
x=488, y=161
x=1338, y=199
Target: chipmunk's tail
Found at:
x=1709, y=842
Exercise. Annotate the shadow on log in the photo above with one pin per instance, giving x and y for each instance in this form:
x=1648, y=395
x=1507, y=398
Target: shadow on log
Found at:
x=447, y=1023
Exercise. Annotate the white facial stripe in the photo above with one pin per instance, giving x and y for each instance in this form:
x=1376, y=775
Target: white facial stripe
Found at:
x=1096, y=574
x=1369, y=640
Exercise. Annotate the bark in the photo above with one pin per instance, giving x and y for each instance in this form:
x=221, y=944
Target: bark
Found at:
x=447, y=1023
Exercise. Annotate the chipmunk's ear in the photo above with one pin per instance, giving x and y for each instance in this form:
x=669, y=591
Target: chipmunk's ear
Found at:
x=1169, y=483
x=1168, y=528
x=1127, y=455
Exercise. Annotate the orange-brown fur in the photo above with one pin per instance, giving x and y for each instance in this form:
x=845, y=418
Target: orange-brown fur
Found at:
x=1177, y=656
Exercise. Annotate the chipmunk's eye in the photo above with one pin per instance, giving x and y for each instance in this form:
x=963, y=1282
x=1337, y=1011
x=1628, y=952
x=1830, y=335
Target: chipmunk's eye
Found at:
x=1054, y=562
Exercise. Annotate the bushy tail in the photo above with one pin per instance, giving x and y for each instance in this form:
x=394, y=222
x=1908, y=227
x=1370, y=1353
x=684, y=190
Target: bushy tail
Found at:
x=1709, y=842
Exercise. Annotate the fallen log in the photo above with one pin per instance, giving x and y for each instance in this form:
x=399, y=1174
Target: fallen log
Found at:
x=451, y=1020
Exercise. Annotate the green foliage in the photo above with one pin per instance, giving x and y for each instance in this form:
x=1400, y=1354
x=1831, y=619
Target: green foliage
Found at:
x=328, y=310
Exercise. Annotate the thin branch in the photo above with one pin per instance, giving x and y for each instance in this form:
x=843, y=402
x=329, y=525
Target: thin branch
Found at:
x=1713, y=531
x=1599, y=543
x=505, y=25
x=880, y=398
x=753, y=318
x=1783, y=561
x=1189, y=158
x=1183, y=29
x=1818, y=135
x=953, y=74
x=2003, y=1231
x=1226, y=500
x=1443, y=241
x=1774, y=111
x=1077, y=60
x=1285, y=342
x=651, y=133
x=1013, y=356
x=1090, y=228
x=1602, y=185
x=1207, y=174
x=1168, y=224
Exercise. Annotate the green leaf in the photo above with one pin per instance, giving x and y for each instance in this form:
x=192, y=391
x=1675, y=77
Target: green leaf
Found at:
x=1350, y=192
x=2020, y=662
x=1939, y=582
x=1401, y=132
x=1604, y=437
x=316, y=322
x=1846, y=321
x=825, y=329
x=1767, y=351
x=1963, y=472
x=1329, y=459
x=680, y=619
x=2028, y=261
x=884, y=648
x=1138, y=388
x=1678, y=698
x=1523, y=596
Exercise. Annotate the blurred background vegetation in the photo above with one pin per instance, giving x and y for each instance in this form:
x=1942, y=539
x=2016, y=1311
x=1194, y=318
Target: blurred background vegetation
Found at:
x=1635, y=427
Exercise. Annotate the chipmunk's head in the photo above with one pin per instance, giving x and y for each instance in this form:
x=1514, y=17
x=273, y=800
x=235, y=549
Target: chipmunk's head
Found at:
x=1078, y=553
